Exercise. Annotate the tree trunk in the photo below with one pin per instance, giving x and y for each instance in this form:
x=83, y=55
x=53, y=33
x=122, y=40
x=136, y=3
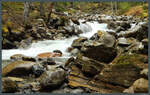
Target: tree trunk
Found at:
x=115, y=7
x=112, y=7
x=50, y=11
x=26, y=12
x=42, y=11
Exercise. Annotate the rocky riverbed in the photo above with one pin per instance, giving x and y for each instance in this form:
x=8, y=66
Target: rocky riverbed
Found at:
x=81, y=54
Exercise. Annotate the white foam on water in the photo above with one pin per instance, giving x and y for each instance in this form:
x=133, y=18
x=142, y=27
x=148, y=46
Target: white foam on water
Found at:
x=88, y=29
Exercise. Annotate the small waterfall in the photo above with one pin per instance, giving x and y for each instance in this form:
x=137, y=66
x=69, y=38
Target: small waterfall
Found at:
x=88, y=29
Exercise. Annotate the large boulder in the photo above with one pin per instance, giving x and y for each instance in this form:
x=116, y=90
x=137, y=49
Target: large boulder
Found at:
x=89, y=66
x=18, y=68
x=106, y=38
x=52, y=78
x=102, y=49
x=118, y=75
x=139, y=86
x=77, y=43
x=113, y=78
x=118, y=72
x=101, y=53
x=77, y=78
x=9, y=85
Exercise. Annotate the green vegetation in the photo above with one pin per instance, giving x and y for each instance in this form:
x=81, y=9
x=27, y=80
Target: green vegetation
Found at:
x=129, y=59
x=13, y=11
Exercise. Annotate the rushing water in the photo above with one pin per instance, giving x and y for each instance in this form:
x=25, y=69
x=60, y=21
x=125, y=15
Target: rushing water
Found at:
x=88, y=28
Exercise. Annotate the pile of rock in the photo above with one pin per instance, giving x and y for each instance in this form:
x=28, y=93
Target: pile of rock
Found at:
x=111, y=62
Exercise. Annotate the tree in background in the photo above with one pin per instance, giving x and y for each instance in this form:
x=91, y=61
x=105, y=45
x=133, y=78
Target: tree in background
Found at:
x=26, y=12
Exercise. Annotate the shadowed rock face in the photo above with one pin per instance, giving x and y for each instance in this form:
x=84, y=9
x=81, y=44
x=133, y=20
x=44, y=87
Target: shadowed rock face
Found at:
x=52, y=78
x=18, y=68
x=89, y=67
x=79, y=42
x=9, y=85
x=112, y=78
x=101, y=53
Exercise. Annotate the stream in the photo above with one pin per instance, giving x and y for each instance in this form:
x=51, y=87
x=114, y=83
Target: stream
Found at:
x=88, y=28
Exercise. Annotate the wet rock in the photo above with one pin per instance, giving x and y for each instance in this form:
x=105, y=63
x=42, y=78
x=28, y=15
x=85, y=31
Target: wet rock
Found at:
x=18, y=68
x=74, y=51
x=145, y=42
x=101, y=53
x=119, y=28
x=26, y=58
x=16, y=57
x=9, y=85
x=28, y=87
x=78, y=42
x=144, y=50
x=129, y=90
x=125, y=25
x=135, y=59
x=6, y=44
x=69, y=62
x=144, y=73
x=78, y=91
x=74, y=20
x=25, y=43
x=103, y=37
x=134, y=46
x=59, y=36
x=57, y=51
x=139, y=32
x=113, y=25
x=119, y=25
x=89, y=66
x=117, y=73
x=123, y=42
x=94, y=37
x=21, y=57
x=47, y=61
x=78, y=79
x=40, y=22
x=48, y=55
x=140, y=86
x=106, y=38
x=52, y=78
x=37, y=70
x=69, y=49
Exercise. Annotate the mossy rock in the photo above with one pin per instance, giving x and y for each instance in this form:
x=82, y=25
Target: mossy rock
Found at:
x=124, y=71
x=9, y=85
x=89, y=66
x=132, y=59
